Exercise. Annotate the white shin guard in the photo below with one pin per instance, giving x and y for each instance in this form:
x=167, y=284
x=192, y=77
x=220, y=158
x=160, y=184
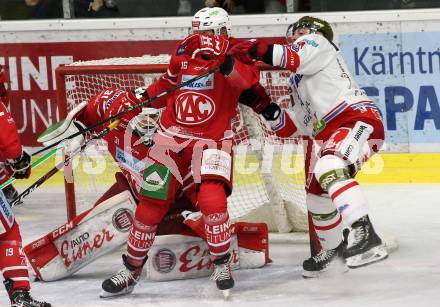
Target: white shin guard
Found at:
x=326, y=219
x=350, y=200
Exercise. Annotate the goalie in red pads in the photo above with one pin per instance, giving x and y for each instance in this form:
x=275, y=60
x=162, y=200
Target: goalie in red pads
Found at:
x=104, y=227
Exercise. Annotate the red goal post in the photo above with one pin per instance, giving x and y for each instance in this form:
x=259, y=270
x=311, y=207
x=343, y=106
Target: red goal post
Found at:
x=272, y=192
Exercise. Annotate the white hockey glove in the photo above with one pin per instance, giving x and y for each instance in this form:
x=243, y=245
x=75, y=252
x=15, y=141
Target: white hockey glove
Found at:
x=64, y=129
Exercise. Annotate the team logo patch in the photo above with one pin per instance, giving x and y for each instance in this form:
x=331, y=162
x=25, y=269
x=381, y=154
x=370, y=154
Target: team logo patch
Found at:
x=164, y=261
x=195, y=24
x=334, y=143
x=180, y=50
x=122, y=219
x=193, y=108
x=298, y=46
x=156, y=183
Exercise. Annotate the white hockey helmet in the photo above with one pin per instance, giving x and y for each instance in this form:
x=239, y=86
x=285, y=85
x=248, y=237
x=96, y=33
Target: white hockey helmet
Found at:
x=211, y=18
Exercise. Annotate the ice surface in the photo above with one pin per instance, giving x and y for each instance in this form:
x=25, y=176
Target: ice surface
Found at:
x=410, y=277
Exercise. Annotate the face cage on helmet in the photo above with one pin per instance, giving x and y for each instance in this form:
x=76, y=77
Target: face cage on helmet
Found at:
x=313, y=28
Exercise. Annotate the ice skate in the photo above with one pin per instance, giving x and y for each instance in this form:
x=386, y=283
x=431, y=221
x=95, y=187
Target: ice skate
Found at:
x=326, y=262
x=222, y=275
x=22, y=298
x=123, y=282
x=365, y=246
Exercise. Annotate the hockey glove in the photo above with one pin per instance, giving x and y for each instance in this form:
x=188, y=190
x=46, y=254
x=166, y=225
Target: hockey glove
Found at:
x=271, y=112
x=255, y=97
x=21, y=166
x=141, y=94
x=249, y=51
x=208, y=47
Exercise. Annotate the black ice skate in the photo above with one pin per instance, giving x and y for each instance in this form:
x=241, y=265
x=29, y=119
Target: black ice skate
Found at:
x=123, y=282
x=222, y=274
x=364, y=245
x=22, y=298
x=326, y=262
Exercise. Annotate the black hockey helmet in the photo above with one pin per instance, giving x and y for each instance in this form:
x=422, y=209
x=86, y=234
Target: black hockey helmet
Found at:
x=312, y=23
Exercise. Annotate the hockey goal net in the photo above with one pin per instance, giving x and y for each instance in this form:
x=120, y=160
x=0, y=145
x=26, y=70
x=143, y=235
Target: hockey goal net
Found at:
x=268, y=171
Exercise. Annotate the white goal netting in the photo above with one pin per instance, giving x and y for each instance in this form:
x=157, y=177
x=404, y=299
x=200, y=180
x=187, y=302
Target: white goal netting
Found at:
x=268, y=171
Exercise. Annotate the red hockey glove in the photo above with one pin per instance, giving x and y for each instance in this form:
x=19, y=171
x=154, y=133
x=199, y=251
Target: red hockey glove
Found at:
x=208, y=47
x=249, y=51
x=21, y=166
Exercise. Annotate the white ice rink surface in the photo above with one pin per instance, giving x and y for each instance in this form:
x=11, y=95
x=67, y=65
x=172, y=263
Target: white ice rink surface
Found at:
x=410, y=277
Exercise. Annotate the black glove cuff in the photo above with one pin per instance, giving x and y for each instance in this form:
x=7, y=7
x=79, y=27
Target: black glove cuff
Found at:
x=271, y=112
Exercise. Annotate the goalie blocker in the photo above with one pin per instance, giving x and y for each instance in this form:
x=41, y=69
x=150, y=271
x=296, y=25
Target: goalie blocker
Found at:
x=178, y=252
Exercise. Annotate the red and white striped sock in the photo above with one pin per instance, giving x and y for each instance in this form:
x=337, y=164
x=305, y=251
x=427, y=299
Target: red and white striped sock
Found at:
x=13, y=264
x=351, y=202
x=213, y=204
x=218, y=233
x=326, y=220
x=140, y=239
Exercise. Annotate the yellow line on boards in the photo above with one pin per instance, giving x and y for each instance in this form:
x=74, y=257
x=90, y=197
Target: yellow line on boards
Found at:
x=381, y=169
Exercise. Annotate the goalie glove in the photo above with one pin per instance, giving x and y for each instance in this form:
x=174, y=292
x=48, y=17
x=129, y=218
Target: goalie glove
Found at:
x=64, y=129
x=21, y=166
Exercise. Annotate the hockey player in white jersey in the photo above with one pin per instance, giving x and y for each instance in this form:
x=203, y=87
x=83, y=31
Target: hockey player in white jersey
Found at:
x=328, y=106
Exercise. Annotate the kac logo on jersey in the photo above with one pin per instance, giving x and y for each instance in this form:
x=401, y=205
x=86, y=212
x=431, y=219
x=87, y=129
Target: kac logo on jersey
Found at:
x=193, y=108
x=206, y=83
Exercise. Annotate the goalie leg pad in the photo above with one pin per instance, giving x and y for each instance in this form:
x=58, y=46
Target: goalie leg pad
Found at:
x=182, y=257
x=77, y=243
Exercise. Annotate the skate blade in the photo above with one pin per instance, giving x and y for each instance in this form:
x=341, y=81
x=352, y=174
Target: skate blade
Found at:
x=335, y=269
x=107, y=295
x=226, y=294
x=374, y=255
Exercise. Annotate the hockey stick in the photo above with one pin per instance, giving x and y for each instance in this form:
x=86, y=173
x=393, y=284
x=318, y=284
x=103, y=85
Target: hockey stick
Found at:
x=34, y=165
x=122, y=113
x=56, y=168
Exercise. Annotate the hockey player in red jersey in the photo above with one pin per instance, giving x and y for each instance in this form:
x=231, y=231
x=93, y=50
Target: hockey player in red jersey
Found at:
x=329, y=107
x=14, y=161
x=195, y=138
x=129, y=143
x=9, y=191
